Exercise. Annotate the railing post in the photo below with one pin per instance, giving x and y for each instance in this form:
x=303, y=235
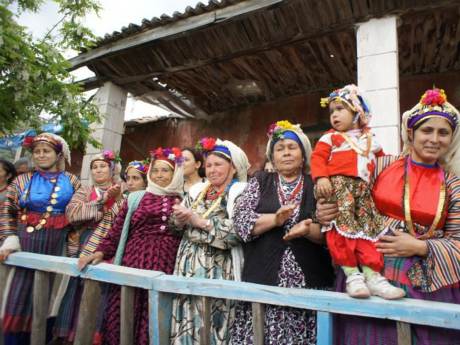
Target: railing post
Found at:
x=40, y=307
x=4, y=272
x=160, y=305
x=404, y=333
x=87, y=315
x=258, y=323
x=324, y=328
x=205, y=331
x=127, y=315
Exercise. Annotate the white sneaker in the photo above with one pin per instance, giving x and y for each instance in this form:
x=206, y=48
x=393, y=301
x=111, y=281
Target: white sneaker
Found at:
x=356, y=286
x=379, y=286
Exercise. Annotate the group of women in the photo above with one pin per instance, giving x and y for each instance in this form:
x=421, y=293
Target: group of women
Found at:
x=217, y=225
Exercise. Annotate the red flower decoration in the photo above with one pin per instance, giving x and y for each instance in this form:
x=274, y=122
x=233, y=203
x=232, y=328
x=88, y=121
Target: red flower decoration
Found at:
x=28, y=142
x=434, y=97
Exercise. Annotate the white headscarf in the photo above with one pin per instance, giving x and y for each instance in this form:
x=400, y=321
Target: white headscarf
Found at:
x=279, y=128
x=239, y=159
x=176, y=187
x=451, y=160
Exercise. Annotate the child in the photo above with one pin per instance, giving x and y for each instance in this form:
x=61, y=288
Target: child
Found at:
x=341, y=165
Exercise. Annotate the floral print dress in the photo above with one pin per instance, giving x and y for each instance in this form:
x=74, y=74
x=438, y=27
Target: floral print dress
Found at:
x=204, y=254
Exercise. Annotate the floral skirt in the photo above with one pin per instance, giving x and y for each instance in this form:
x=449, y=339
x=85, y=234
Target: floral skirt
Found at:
x=358, y=216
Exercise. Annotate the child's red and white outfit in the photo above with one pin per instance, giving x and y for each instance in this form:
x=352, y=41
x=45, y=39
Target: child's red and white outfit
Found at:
x=348, y=159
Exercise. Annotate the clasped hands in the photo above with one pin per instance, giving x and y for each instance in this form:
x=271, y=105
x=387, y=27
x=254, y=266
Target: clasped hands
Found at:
x=184, y=215
x=301, y=229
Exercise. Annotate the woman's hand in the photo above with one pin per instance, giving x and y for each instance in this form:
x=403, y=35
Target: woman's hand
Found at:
x=401, y=245
x=326, y=212
x=301, y=229
x=4, y=253
x=93, y=259
x=114, y=191
x=283, y=214
x=182, y=214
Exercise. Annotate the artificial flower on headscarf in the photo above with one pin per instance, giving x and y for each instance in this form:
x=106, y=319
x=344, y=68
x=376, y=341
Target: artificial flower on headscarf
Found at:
x=351, y=96
x=286, y=130
x=55, y=141
x=174, y=158
x=433, y=103
x=229, y=150
x=172, y=155
x=140, y=166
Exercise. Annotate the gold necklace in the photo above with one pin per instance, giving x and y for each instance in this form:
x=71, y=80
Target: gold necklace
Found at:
x=201, y=197
x=355, y=147
x=406, y=206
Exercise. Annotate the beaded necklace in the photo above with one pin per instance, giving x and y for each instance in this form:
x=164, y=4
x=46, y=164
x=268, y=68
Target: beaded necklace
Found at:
x=217, y=197
x=297, y=189
x=406, y=204
x=52, y=200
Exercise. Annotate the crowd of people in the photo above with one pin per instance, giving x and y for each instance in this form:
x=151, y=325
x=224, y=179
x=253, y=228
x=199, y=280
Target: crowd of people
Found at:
x=340, y=216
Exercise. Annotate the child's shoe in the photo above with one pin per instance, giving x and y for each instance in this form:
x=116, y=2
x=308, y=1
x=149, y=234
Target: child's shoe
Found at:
x=379, y=286
x=356, y=286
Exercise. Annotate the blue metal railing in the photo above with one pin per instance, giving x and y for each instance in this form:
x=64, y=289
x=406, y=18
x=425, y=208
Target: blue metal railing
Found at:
x=162, y=289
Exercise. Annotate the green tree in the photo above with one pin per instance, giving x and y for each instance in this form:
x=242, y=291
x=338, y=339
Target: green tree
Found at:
x=34, y=74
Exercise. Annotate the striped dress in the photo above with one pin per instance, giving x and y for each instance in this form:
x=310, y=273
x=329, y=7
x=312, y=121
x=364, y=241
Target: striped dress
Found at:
x=50, y=240
x=435, y=277
x=92, y=222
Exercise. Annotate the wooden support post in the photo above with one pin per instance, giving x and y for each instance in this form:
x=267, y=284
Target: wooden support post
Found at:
x=258, y=323
x=404, y=333
x=127, y=315
x=324, y=324
x=40, y=307
x=160, y=306
x=205, y=331
x=89, y=309
x=4, y=272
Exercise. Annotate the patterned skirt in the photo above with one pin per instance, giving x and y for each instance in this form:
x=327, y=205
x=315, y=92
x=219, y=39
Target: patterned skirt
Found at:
x=352, y=330
x=358, y=216
x=18, y=305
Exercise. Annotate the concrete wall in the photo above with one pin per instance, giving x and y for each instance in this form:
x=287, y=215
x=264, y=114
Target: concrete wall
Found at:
x=247, y=127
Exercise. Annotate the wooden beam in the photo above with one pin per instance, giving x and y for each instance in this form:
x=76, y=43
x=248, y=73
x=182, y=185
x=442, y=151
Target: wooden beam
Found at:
x=187, y=24
x=404, y=333
x=127, y=315
x=258, y=323
x=88, y=312
x=40, y=307
x=206, y=329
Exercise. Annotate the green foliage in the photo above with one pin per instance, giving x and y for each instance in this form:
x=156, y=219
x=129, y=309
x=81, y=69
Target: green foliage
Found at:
x=34, y=75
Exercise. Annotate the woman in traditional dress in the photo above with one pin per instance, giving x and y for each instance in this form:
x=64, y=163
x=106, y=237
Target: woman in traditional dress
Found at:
x=275, y=206
x=136, y=176
x=7, y=175
x=145, y=241
x=92, y=211
x=208, y=238
x=33, y=219
x=419, y=195
x=193, y=168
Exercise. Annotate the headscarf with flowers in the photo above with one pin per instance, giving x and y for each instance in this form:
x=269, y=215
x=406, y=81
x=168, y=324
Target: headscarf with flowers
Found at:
x=434, y=103
x=351, y=96
x=55, y=141
x=173, y=157
x=228, y=149
x=286, y=130
x=140, y=166
x=113, y=160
